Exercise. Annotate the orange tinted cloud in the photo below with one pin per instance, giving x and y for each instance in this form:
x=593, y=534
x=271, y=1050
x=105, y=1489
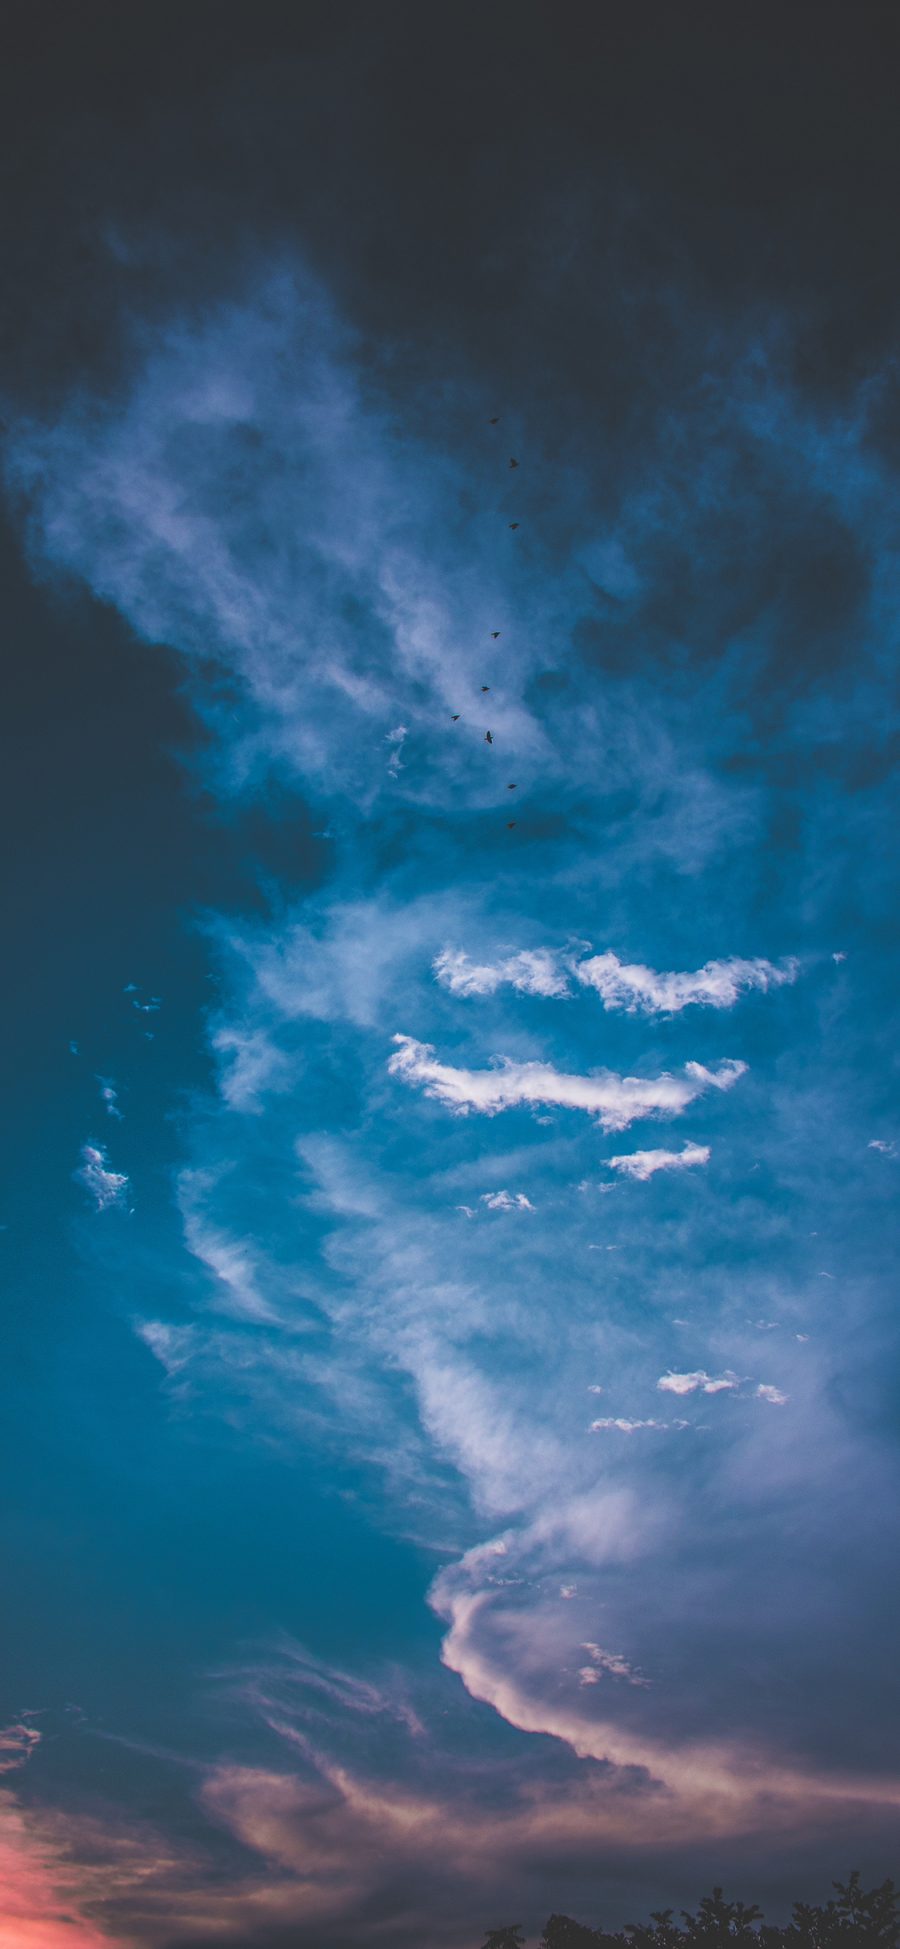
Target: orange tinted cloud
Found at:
x=40, y=1906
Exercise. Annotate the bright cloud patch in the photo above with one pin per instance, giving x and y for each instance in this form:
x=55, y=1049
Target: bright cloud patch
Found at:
x=110, y=1096
x=698, y=1382
x=610, y=1664
x=719, y=984
x=534, y=971
x=643, y=1164
x=624, y=1423
x=17, y=1743
x=506, y=1201
x=621, y=985
x=773, y=1394
x=615, y=1100
x=105, y=1186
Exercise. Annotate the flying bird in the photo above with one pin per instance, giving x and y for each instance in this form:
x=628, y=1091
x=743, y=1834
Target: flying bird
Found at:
x=495, y=633
x=495, y=421
x=488, y=737
x=509, y=824
x=485, y=687
x=514, y=463
x=455, y=718
x=514, y=524
x=512, y=788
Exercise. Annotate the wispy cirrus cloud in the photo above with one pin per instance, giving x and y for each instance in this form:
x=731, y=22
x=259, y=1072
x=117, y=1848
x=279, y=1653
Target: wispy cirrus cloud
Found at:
x=335, y=590
x=616, y=1101
x=506, y=1201
x=643, y=1164
x=17, y=1743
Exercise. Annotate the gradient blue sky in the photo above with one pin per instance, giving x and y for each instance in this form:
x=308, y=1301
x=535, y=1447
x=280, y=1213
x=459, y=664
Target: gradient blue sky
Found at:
x=450, y=1406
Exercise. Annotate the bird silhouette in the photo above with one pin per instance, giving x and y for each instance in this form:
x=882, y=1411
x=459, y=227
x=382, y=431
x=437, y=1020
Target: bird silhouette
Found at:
x=495, y=421
x=514, y=463
x=485, y=687
x=514, y=524
x=455, y=718
x=509, y=824
x=512, y=788
x=494, y=634
x=488, y=737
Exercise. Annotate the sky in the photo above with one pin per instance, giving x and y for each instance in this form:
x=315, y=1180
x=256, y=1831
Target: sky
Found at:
x=450, y=1431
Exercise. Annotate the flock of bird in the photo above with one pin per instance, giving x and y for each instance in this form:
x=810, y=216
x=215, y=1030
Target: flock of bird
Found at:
x=495, y=633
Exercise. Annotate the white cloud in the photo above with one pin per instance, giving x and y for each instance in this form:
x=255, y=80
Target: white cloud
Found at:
x=886, y=1149
x=719, y=984
x=506, y=1201
x=106, y=1187
x=624, y=1423
x=773, y=1394
x=534, y=971
x=110, y=1096
x=615, y=1100
x=642, y=1164
x=621, y=985
x=612, y=1664
x=698, y=1382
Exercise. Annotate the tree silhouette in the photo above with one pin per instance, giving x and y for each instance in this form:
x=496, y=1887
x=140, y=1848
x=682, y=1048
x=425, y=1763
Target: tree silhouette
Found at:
x=560, y=1932
x=856, y=1920
x=852, y=1919
x=663, y=1934
x=718, y=1921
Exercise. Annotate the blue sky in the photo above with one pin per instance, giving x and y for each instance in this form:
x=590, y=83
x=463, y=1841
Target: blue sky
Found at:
x=452, y=1406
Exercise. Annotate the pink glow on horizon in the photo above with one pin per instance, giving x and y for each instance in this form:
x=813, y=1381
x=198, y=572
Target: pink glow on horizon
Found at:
x=39, y=1908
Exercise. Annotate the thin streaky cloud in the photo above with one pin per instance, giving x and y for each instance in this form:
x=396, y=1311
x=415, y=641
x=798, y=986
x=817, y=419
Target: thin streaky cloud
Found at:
x=616, y=1101
x=698, y=1382
x=643, y=1164
x=17, y=1743
x=624, y=1423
